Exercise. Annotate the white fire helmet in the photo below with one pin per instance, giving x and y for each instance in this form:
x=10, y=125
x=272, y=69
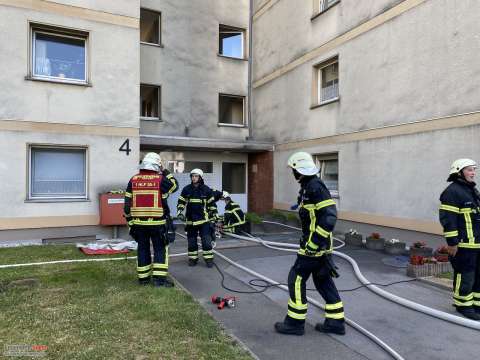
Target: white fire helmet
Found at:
x=460, y=164
x=303, y=163
x=151, y=161
x=198, y=172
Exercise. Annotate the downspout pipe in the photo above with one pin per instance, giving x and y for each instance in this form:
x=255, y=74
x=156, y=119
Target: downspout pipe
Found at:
x=250, y=71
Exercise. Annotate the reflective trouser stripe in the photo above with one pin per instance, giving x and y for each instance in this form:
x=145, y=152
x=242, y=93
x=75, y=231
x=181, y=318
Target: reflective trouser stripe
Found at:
x=296, y=308
x=461, y=300
x=144, y=271
x=207, y=254
x=476, y=299
x=334, y=311
x=193, y=254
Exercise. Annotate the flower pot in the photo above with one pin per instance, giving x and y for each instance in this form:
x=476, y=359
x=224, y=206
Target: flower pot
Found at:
x=441, y=257
x=425, y=251
x=375, y=243
x=353, y=239
x=397, y=248
x=424, y=270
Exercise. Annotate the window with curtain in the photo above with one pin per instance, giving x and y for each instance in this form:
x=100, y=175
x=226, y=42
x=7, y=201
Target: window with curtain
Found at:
x=59, y=55
x=58, y=173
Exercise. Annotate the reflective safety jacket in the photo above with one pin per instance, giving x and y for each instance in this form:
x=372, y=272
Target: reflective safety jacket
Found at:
x=318, y=215
x=199, y=203
x=165, y=195
x=233, y=217
x=460, y=214
x=144, y=198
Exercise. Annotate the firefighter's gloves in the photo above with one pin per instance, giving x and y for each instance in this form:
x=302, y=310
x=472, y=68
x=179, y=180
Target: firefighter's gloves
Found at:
x=181, y=217
x=309, y=252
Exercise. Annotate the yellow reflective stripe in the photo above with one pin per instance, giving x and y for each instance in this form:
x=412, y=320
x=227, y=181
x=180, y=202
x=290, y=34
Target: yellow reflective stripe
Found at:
x=466, y=210
x=196, y=201
x=322, y=231
x=143, y=275
x=466, y=303
x=450, y=208
x=469, y=246
x=451, y=233
x=296, y=316
x=317, y=254
x=166, y=256
x=211, y=199
x=194, y=223
x=476, y=295
x=160, y=266
x=161, y=273
x=319, y=205
x=298, y=291
x=127, y=194
x=144, y=268
x=181, y=198
x=296, y=306
x=457, y=285
x=335, y=306
x=337, y=316
x=147, y=222
x=313, y=219
x=468, y=226
x=310, y=244
x=466, y=297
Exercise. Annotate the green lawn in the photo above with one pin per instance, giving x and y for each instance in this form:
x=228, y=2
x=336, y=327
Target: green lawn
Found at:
x=97, y=311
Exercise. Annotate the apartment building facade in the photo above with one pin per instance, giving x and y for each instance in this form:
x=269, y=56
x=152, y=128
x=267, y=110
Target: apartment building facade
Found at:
x=68, y=114
x=381, y=92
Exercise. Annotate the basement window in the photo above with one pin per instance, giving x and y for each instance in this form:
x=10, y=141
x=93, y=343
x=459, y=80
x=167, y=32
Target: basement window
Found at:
x=150, y=102
x=231, y=110
x=231, y=42
x=58, y=54
x=57, y=173
x=328, y=165
x=150, y=27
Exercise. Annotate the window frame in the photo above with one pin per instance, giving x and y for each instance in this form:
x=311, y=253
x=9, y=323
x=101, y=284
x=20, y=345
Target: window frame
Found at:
x=317, y=83
x=245, y=176
x=59, y=32
x=70, y=198
x=159, y=104
x=319, y=158
x=233, y=29
x=159, y=13
x=244, y=117
x=319, y=7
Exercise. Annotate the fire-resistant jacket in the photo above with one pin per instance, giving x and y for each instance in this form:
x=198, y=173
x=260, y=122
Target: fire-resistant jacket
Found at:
x=145, y=196
x=318, y=215
x=460, y=214
x=199, y=203
x=233, y=217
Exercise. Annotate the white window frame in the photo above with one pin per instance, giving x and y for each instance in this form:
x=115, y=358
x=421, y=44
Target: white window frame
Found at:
x=243, y=110
x=159, y=13
x=232, y=29
x=152, y=118
x=319, y=68
x=321, y=158
x=60, y=32
x=31, y=197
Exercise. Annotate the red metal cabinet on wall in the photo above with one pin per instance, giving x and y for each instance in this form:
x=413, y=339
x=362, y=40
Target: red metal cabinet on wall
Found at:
x=111, y=209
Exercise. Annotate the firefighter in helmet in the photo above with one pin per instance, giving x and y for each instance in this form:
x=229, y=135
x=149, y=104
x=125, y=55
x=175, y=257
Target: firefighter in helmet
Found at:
x=234, y=217
x=460, y=217
x=318, y=216
x=144, y=209
x=196, y=206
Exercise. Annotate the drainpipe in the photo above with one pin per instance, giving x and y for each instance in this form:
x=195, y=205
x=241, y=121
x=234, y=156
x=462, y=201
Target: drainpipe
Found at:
x=250, y=73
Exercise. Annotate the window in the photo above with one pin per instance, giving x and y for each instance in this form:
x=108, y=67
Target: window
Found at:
x=59, y=55
x=234, y=177
x=231, y=110
x=231, y=42
x=328, y=165
x=149, y=102
x=326, y=82
x=320, y=6
x=58, y=173
x=150, y=22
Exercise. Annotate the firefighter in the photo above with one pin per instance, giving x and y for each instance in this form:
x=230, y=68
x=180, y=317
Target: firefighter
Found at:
x=460, y=217
x=196, y=206
x=318, y=215
x=146, y=217
x=233, y=218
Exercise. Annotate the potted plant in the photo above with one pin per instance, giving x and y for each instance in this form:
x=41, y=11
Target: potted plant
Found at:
x=441, y=254
x=420, y=248
x=352, y=237
x=394, y=247
x=375, y=241
x=421, y=266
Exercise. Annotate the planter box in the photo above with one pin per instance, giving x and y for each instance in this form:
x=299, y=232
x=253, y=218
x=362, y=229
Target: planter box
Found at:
x=395, y=248
x=375, y=244
x=424, y=270
x=425, y=252
x=354, y=239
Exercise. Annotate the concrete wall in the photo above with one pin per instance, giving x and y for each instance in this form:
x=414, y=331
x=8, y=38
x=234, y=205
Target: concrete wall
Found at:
x=407, y=69
x=100, y=116
x=189, y=70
